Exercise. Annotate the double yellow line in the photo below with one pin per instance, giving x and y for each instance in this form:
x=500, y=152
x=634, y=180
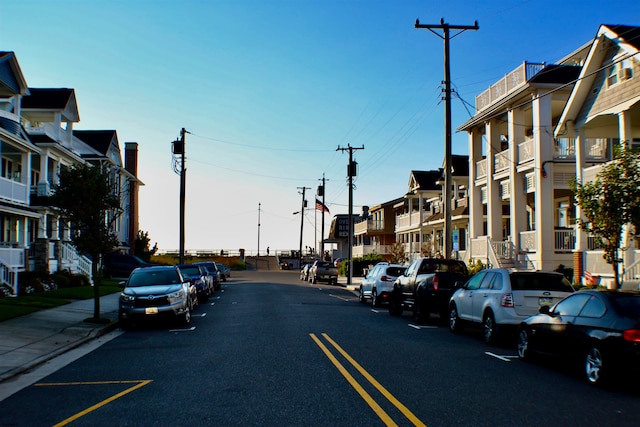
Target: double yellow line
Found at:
x=358, y=388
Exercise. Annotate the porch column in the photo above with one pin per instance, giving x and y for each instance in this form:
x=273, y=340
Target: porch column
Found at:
x=544, y=215
x=625, y=137
x=624, y=128
x=518, y=199
x=581, y=235
x=42, y=227
x=475, y=192
x=494, y=204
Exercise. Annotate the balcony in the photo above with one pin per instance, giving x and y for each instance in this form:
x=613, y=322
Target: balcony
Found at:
x=368, y=226
x=481, y=169
x=501, y=161
x=14, y=191
x=526, y=151
x=362, y=250
x=508, y=84
x=408, y=220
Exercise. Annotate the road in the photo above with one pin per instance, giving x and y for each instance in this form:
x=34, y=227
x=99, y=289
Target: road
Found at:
x=270, y=350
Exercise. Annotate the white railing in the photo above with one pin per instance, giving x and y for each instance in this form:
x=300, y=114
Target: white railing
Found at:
x=501, y=161
x=9, y=277
x=363, y=227
x=362, y=250
x=565, y=240
x=12, y=255
x=528, y=241
x=526, y=151
x=14, y=191
x=408, y=220
x=632, y=272
x=74, y=261
x=481, y=168
x=506, y=85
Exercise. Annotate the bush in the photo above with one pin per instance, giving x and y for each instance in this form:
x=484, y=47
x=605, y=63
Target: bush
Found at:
x=31, y=282
x=475, y=266
x=66, y=279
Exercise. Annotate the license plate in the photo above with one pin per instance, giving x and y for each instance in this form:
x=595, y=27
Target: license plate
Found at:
x=545, y=301
x=151, y=310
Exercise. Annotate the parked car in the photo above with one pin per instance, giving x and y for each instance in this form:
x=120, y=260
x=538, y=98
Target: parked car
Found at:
x=213, y=271
x=598, y=329
x=121, y=265
x=225, y=270
x=156, y=291
x=377, y=285
x=323, y=271
x=304, y=272
x=499, y=298
x=426, y=287
x=200, y=278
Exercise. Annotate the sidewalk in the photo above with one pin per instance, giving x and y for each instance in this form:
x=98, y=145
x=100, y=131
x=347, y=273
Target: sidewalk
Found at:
x=30, y=340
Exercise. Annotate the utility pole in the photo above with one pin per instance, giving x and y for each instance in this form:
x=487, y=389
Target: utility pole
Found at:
x=304, y=202
x=446, y=28
x=351, y=172
x=259, y=204
x=178, y=148
x=322, y=192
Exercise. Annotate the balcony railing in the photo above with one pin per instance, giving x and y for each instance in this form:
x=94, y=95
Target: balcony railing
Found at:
x=362, y=250
x=526, y=151
x=501, y=161
x=481, y=168
x=14, y=191
x=408, y=220
x=368, y=225
x=507, y=84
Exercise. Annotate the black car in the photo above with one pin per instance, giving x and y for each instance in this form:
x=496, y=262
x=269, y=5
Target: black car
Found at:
x=200, y=279
x=121, y=265
x=599, y=329
x=212, y=269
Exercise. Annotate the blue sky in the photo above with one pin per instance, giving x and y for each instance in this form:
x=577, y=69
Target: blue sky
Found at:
x=269, y=89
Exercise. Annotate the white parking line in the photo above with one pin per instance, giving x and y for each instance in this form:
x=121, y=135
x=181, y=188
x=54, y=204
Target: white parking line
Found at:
x=203, y=315
x=503, y=358
x=411, y=325
x=377, y=311
x=193, y=328
x=343, y=299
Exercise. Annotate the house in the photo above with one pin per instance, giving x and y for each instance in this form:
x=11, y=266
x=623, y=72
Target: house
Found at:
x=375, y=233
x=520, y=205
x=36, y=140
x=603, y=110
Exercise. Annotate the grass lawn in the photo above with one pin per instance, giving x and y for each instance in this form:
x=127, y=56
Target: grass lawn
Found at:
x=21, y=305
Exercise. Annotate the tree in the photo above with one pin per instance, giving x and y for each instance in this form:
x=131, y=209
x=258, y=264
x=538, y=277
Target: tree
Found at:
x=86, y=199
x=610, y=203
x=397, y=254
x=141, y=246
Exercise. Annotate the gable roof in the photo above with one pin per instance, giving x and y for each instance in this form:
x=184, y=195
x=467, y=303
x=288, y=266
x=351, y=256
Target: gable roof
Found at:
x=42, y=102
x=627, y=38
x=424, y=180
x=12, y=80
x=104, y=142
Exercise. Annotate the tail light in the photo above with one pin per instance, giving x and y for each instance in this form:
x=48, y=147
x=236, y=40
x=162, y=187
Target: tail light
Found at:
x=632, y=335
x=386, y=278
x=436, y=283
x=506, y=300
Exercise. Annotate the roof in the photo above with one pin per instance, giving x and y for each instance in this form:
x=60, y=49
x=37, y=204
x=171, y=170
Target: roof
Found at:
x=630, y=35
x=49, y=99
x=425, y=180
x=12, y=80
x=99, y=140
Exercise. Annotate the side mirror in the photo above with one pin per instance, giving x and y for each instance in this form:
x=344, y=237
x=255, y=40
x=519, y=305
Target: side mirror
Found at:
x=459, y=284
x=122, y=283
x=544, y=309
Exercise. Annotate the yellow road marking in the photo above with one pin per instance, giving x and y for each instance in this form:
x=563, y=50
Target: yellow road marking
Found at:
x=357, y=387
x=138, y=384
x=407, y=413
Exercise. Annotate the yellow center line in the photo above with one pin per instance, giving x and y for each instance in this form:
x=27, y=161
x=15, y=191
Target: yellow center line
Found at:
x=139, y=384
x=407, y=413
x=357, y=387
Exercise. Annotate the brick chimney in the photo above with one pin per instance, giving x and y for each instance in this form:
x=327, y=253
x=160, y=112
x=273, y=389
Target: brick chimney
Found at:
x=131, y=165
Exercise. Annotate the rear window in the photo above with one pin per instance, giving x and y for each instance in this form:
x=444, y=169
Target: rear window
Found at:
x=325, y=264
x=190, y=271
x=437, y=266
x=539, y=281
x=396, y=271
x=628, y=305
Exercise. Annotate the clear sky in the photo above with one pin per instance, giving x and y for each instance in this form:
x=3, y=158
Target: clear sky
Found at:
x=269, y=89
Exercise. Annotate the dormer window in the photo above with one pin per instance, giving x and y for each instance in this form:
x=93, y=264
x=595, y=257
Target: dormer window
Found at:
x=620, y=71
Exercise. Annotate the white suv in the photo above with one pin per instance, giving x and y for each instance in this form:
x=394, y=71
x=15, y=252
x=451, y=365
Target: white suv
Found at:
x=377, y=285
x=497, y=298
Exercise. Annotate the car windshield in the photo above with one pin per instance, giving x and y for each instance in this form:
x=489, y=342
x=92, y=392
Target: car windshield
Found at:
x=539, y=281
x=153, y=277
x=628, y=305
x=190, y=271
x=324, y=264
x=435, y=266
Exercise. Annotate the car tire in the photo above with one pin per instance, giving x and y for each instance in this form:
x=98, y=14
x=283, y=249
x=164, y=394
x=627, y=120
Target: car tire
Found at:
x=314, y=280
x=361, y=297
x=490, y=329
x=374, y=298
x=524, y=345
x=455, y=324
x=395, y=309
x=185, y=318
x=595, y=369
x=420, y=315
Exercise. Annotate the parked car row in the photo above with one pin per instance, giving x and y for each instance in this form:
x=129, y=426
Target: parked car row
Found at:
x=166, y=292
x=596, y=329
x=319, y=271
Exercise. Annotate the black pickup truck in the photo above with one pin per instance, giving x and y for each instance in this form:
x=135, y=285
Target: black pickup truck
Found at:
x=426, y=287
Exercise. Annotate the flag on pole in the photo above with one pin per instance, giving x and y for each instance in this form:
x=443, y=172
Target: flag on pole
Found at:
x=321, y=207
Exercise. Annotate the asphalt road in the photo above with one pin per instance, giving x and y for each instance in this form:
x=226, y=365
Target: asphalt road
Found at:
x=270, y=350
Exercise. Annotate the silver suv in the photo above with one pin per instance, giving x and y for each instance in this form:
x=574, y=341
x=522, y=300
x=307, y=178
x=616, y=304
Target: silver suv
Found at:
x=498, y=298
x=377, y=285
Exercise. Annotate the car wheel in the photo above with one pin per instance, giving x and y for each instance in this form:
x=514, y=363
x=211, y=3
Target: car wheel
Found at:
x=395, y=309
x=594, y=367
x=490, y=328
x=374, y=298
x=524, y=346
x=455, y=324
x=186, y=317
x=420, y=315
x=314, y=280
x=361, y=295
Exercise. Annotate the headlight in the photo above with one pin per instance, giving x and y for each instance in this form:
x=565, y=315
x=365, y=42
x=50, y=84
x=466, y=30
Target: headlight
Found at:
x=176, y=295
x=127, y=298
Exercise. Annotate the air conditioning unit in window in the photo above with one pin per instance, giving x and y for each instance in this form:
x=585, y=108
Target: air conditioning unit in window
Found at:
x=624, y=74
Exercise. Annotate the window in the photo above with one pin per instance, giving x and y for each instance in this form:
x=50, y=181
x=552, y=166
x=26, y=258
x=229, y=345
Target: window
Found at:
x=612, y=75
x=593, y=308
x=571, y=306
x=474, y=282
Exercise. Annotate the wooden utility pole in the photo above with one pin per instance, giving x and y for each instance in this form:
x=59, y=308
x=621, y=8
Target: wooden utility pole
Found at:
x=351, y=172
x=302, y=222
x=178, y=149
x=322, y=192
x=446, y=28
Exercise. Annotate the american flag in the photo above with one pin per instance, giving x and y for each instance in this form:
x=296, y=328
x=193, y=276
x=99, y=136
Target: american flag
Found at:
x=590, y=279
x=321, y=207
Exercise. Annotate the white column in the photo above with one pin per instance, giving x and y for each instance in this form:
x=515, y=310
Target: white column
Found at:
x=544, y=198
x=624, y=128
x=518, y=200
x=475, y=194
x=494, y=204
x=581, y=236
